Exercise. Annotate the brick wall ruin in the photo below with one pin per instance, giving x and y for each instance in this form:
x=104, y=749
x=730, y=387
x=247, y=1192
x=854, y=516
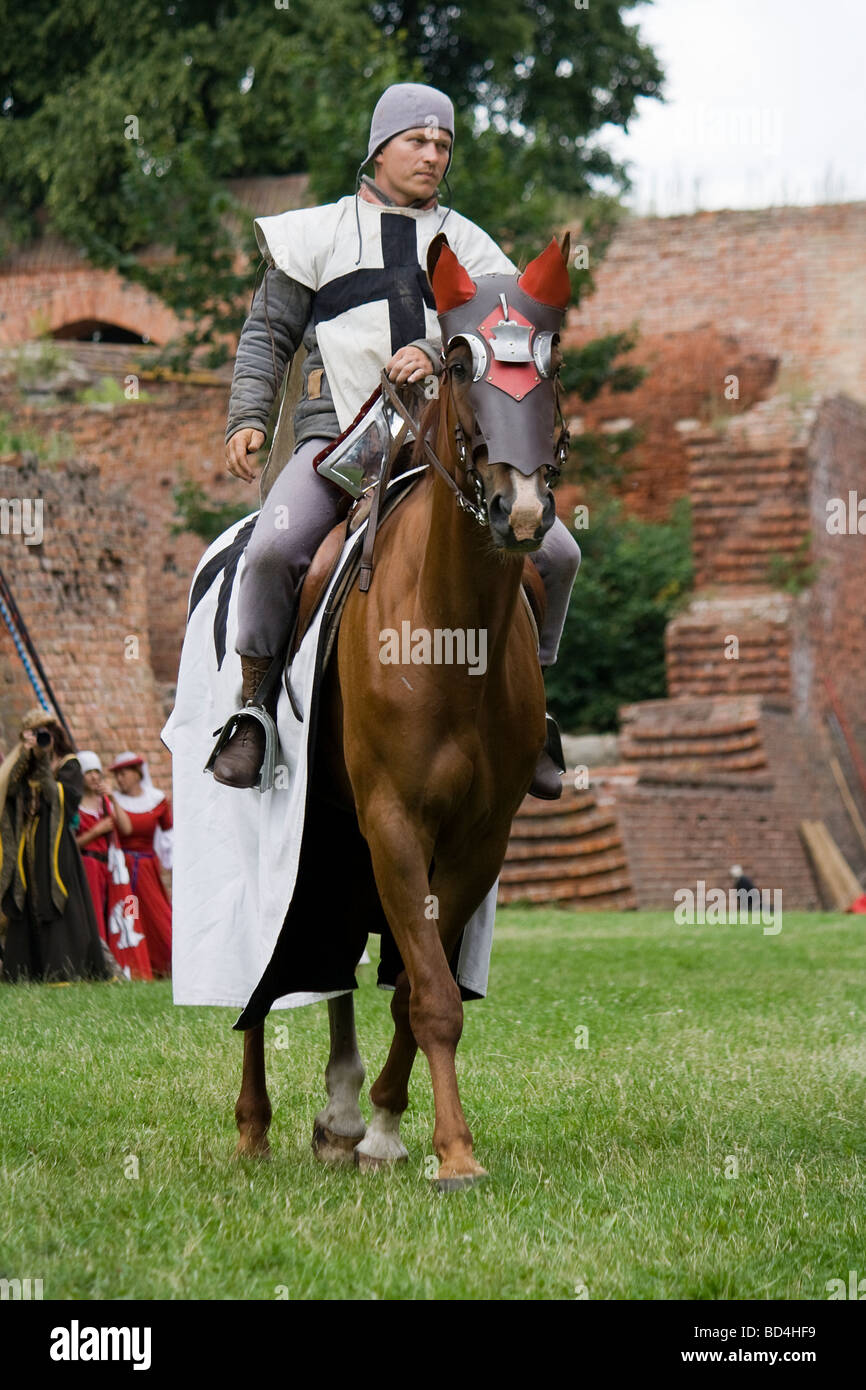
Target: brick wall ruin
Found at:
x=83, y=593
x=766, y=685
x=788, y=283
x=145, y=448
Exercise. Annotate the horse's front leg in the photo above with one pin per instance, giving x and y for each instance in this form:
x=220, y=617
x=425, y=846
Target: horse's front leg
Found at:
x=400, y=857
x=340, y=1126
x=253, y=1108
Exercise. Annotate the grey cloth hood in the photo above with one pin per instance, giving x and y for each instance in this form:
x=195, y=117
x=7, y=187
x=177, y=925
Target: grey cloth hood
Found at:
x=404, y=106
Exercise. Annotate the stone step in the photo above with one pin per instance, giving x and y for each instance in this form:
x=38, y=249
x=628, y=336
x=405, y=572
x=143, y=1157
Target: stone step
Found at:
x=577, y=867
x=570, y=801
x=564, y=826
x=649, y=736
x=567, y=851
x=617, y=895
x=774, y=650
x=731, y=750
x=521, y=851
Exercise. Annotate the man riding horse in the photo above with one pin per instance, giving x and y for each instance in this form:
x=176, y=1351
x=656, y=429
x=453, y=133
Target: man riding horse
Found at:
x=347, y=281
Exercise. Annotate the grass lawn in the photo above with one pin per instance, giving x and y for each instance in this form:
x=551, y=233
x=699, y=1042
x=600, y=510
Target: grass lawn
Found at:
x=708, y=1142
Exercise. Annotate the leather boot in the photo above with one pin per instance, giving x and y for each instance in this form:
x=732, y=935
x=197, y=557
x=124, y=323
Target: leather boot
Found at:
x=547, y=779
x=238, y=764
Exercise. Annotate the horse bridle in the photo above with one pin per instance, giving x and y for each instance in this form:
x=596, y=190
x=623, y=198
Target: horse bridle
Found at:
x=476, y=507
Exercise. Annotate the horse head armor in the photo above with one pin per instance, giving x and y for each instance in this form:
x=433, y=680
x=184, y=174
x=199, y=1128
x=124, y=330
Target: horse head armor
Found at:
x=510, y=323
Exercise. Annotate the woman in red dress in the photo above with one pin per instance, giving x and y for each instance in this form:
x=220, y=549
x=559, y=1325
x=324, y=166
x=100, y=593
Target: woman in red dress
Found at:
x=101, y=820
x=148, y=842
x=98, y=817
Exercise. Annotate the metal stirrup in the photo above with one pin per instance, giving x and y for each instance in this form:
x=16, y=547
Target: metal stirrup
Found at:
x=255, y=709
x=266, y=773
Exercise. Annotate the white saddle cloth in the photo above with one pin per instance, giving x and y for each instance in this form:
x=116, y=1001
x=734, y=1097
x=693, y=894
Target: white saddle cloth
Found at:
x=236, y=852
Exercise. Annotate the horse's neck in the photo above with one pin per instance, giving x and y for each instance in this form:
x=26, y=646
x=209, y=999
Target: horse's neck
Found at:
x=463, y=581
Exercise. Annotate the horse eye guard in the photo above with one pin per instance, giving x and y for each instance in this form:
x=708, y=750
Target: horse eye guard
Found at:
x=508, y=351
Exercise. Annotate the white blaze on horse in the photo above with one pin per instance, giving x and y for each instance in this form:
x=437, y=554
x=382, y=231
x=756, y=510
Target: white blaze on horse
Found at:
x=419, y=769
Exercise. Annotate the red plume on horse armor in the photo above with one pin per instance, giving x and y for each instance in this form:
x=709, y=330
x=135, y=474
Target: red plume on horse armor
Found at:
x=451, y=284
x=546, y=278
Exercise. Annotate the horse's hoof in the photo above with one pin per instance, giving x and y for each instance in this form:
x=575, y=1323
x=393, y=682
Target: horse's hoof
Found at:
x=253, y=1148
x=367, y=1163
x=329, y=1147
x=458, y=1184
x=447, y=1180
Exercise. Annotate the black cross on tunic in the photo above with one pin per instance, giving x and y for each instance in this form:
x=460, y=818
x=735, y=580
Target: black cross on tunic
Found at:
x=401, y=281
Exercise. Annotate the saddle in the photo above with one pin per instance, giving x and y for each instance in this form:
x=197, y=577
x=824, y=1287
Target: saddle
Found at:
x=327, y=557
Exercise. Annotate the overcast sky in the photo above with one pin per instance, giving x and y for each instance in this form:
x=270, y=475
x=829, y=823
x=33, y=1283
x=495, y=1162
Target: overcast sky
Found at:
x=766, y=104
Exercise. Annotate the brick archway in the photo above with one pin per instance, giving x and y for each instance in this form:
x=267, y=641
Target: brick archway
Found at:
x=96, y=330
x=42, y=300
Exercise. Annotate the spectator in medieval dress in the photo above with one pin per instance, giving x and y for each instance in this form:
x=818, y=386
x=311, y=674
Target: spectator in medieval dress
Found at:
x=146, y=845
x=99, y=820
x=52, y=933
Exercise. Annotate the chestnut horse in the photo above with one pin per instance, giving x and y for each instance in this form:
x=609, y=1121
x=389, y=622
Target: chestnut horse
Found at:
x=436, y=759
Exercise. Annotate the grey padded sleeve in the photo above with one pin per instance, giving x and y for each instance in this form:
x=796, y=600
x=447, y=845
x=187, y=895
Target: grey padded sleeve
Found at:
x=253, y=387
x=433, y=350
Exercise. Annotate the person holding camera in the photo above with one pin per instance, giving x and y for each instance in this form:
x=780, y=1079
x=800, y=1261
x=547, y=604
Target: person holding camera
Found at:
x=52, y=933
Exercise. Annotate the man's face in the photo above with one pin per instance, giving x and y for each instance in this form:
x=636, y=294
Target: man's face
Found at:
x=411, y=166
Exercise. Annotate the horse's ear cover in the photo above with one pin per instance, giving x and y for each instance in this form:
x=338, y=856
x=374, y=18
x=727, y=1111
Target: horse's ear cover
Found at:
x=546, y=278
x=433, y=250
x=451, y=284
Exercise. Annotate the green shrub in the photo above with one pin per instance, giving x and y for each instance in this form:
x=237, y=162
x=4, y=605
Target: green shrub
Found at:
x=108, y=391
x=633, y=577
x=197, y=513
x=31, y=364
x=50, y=448
x=793, y=573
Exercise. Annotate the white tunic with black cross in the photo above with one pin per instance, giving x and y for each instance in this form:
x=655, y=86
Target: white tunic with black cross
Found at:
x=366, y=310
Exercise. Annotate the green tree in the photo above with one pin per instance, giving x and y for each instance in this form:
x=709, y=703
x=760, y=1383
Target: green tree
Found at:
x=124, y=122
x=633, y=577
x=196, y=512
x=534, y=83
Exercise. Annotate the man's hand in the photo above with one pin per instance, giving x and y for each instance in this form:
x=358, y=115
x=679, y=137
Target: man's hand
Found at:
x=241, y=444
x=409, y=364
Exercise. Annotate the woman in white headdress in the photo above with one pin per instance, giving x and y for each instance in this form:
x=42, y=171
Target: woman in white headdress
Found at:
x=148, y=841
x=99, y=818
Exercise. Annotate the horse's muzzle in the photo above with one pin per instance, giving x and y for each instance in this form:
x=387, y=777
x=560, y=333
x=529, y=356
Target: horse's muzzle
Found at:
x=520, y=523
